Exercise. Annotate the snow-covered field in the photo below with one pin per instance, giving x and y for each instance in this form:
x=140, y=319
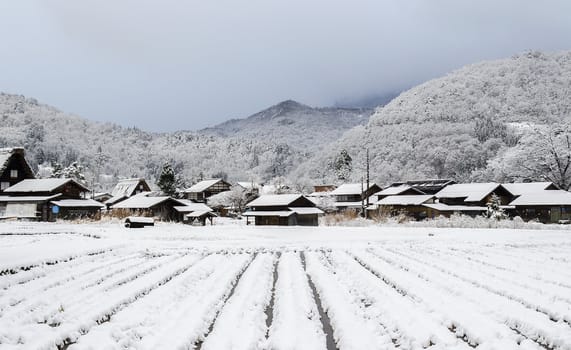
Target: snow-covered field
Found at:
x=101, y=286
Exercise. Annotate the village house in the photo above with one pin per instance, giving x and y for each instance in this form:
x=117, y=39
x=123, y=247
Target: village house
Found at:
x=354, y=196
x=200, y=191
x=48, y=199
x=13, y=167
x=283, y=210
x=547, y=206
x=413, y=206
x=145, y=204
x=127, y=188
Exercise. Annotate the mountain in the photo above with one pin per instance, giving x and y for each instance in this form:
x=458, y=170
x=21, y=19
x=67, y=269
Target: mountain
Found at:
x=457, y=125
x=266, y=145
x=284, y=121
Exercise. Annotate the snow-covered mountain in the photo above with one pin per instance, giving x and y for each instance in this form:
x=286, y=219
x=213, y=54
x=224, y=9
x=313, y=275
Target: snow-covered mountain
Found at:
x=463, y=126
x=284, y=121
x=458, y=125
x=266, y=145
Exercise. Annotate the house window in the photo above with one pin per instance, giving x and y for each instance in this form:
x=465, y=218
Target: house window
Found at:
x=13, y=173
x=4, y=185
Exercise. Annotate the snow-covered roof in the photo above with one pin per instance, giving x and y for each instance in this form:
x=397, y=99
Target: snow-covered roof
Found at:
x=405, y=200
x=445, y=207
x=197, y=214
x=140, y=219
x=248, y=185
x=126, y=187
x=280, y=213
x=73, y=203
x=547, y=197
x=271, y=200
x=41, y=185
x=191, y=207
x=347, y=189
x=141, y=201
x=202, y=186
x=28, y=198
x=114, y=200
x=394, y=190
x=5, y=155
x=518, y=189
x=472, y=192
x=306, y=211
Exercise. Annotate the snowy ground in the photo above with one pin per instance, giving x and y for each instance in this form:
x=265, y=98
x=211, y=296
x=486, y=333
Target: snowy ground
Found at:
x=101, y=286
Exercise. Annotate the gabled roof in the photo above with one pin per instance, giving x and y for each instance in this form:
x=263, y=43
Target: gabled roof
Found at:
x=547, y=197
x=7, y=153
x=280, y=213
x=472, y=192
x=202, y=186
x=274, y=200
x=520, y=188
x=395, y=190
x=41, y=185
x=142, y=201
x=349, y=189
x=197, y=214
x=126, y=187
x=405, y=200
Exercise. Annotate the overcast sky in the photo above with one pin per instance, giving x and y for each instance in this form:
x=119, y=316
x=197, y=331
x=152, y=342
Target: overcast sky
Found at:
x=175, y=64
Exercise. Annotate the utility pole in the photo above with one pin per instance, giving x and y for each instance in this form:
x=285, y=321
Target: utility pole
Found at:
x=363, y=211
x=368, y=185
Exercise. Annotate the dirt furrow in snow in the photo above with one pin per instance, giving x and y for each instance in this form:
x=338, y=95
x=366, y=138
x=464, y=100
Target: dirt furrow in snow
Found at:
x=174, y=316
x=241, y=322
x=554, y=306
x=96, y=310
x=352, y=329
x=533, y=325
x=296, y=321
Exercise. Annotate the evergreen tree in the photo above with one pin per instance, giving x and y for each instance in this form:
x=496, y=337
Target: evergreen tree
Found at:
x=167, y=180
x=495, y=210
x=342, y=165
x=73, y=171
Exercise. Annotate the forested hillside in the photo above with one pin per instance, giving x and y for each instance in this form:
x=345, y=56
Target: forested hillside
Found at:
x=472, y=124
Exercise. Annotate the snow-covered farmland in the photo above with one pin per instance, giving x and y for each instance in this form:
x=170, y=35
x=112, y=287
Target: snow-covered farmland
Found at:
x=234, y=287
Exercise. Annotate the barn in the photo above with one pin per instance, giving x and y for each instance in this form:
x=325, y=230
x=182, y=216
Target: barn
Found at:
x=202, y=190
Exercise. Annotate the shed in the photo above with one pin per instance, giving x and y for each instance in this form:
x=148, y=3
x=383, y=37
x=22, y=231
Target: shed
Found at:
x=138, y=222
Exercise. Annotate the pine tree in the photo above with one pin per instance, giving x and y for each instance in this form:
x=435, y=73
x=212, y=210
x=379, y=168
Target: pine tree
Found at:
x=167, y=180
x=73, y=171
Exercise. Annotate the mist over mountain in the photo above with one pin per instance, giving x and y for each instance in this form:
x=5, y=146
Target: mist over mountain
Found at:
x=459, y=125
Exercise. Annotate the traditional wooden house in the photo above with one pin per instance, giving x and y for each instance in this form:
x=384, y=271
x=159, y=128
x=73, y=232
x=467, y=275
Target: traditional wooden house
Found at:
x=41, y=199
x=13, y=167
x=283, y=210
x=200, y=191
x=127, y=188
x=410, y=205
x=547, y=206
x=145, y=204
x=353, y=196
x=474, y=194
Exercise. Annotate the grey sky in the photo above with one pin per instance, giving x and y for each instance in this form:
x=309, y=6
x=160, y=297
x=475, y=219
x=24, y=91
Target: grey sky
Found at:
x=175, y=64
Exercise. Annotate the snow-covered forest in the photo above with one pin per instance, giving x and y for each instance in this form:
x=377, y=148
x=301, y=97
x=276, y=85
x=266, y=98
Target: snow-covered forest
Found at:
x=500, y=120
